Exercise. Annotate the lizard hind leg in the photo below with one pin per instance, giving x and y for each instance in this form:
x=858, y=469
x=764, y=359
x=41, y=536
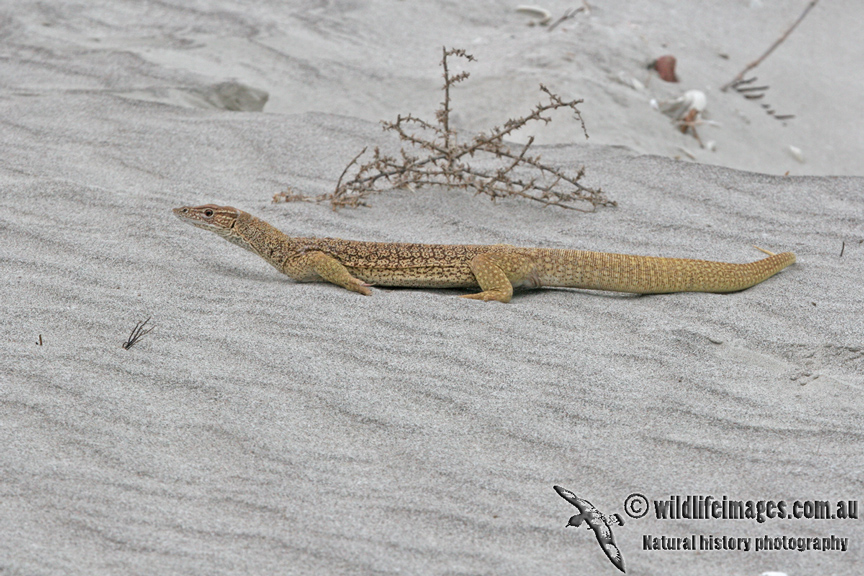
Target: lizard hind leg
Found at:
x=498, y=272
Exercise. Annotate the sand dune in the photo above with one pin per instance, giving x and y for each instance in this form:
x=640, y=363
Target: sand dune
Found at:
x=270, y=427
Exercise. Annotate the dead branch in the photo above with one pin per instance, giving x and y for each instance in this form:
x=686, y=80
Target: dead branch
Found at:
x=137, y=333
x=776, y=43
x=447, y=161
x=568, y=15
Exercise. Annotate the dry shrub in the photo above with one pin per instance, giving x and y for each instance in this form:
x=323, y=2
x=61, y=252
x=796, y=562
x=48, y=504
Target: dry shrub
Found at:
x=444, y=160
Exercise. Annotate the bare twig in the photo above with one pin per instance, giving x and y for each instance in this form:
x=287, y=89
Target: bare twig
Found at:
x=752, y=88
x=776, y=43
x=445, y=160
x=742, y=82
x=353, y=161
x=39, y=343
x=444, y=113
x=688, y=124
x=567, y=15
x=137, y=333
x=290, y=195
x=757, y=93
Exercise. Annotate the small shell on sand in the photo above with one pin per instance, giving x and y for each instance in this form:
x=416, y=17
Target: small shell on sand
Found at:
x=681, y=106
x=797, y=153
x=696, y=100
x=544, y=15
x=665, y=67
x=628, y=80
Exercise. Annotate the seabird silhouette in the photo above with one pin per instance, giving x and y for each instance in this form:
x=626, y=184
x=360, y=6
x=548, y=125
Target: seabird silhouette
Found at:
x=598, y=522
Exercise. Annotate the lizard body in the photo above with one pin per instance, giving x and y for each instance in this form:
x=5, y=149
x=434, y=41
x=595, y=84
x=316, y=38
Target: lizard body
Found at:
x=495, y=269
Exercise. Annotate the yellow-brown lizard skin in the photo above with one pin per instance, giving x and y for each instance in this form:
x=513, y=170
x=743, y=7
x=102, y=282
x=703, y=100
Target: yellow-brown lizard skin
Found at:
x=495, y=269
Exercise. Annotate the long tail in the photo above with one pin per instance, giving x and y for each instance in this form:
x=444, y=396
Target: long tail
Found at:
x=651, y=275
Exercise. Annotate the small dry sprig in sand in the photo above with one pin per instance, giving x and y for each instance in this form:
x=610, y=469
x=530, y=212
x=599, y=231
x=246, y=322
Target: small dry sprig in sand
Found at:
x=444, y=160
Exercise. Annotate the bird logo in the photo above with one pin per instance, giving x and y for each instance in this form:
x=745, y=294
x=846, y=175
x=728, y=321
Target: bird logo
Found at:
x=600, y=523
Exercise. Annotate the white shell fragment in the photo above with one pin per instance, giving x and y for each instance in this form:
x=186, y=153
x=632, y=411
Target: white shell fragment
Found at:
x=687, y=152
x=797, y=153
x=681, y=106
x=544, y=15
x=697, y=100
x=628, y=80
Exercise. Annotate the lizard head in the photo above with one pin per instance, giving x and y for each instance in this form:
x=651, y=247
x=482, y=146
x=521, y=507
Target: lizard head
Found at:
x=223, y=220
x=219, y=219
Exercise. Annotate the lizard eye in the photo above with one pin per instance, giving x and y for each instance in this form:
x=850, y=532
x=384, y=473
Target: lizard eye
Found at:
x=208, y=213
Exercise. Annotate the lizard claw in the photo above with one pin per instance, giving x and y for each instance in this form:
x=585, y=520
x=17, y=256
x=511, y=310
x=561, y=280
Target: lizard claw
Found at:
x=361, y=287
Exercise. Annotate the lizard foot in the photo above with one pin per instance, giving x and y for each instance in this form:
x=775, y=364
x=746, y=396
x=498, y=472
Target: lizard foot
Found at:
x=489, y=295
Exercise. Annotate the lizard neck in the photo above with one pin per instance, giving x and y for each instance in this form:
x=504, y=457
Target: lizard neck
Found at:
x=259, y=237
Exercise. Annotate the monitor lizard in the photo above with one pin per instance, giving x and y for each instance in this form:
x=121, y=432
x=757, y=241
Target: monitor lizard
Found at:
x=496, y=269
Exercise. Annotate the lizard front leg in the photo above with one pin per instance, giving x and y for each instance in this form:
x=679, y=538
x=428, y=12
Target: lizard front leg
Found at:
x=316, y=264
x=498, y=272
